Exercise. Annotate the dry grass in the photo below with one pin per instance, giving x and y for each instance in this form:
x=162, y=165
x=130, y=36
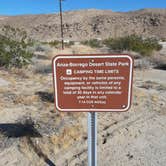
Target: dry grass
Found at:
x=42, y=68
x=2, y=104
x=68, y=136
x=25, y=100
x=153, y=85
x=24, y=73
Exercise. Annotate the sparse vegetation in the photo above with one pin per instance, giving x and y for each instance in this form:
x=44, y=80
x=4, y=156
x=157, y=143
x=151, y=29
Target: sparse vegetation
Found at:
x=134, y=43
x=54, y=43
x=57, y=43
x=14, y=45
x=94, y=43
x=41, y=48
x=42, y=69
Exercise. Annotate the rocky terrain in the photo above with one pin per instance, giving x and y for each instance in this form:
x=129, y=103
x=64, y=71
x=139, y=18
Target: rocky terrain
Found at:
x=88, y=24
x=33, y=134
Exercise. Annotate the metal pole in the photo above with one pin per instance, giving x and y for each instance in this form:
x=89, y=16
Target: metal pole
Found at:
x=61, y=22
x=92, y=139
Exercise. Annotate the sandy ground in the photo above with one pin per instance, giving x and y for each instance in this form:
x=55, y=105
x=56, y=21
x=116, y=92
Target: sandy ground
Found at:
x=134, y=138
x=164, y=47
x=32, y=134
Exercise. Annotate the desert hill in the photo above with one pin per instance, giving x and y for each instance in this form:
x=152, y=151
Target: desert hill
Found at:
x=92, y=23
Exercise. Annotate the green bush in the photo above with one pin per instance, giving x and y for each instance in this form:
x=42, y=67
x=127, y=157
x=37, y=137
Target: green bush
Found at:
x=14, y=47
x=94, y=43
x=134, y=43
x=54, y=43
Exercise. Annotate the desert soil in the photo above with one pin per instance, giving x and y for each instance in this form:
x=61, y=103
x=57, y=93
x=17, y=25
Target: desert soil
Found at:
x=32, y=134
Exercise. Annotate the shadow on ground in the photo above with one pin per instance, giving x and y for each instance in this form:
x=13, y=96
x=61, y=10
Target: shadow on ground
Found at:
x=39, y=152
x=28, y=131
x=45, y=96
x=17, y=130
x=161, y=67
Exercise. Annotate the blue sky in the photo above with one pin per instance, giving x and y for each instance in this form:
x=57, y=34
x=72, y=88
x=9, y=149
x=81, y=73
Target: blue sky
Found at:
x=17, y=7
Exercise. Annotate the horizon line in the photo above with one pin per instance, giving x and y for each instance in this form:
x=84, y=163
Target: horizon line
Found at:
x=8, y=15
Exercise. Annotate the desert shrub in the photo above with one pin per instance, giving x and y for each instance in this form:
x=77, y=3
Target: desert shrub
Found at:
x=14, y=45
x=42, y=68
x=39, y=48
x=134, y=43
x=42, y=47
x=54, y=43
x=94, y=43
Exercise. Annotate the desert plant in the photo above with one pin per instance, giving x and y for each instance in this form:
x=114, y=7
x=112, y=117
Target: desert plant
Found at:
x=14, y=45
x=134, y=43
x=42, y=47
x=42, y=68
x=54, y=43
x=94, y=43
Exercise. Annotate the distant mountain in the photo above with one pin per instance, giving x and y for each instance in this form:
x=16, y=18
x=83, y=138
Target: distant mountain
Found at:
x=86, y=24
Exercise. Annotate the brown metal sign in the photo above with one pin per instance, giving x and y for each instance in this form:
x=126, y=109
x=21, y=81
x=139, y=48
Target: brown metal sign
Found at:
x=87, y=83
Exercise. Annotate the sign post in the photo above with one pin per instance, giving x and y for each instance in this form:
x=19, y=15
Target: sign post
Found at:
x=61, y=23
x=92, y=139
x=92, y=83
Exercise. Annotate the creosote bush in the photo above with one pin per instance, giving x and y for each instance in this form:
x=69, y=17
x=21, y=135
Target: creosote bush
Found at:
x=94, y=43
x=14, y=45
x=134, y=43
x=54, y=43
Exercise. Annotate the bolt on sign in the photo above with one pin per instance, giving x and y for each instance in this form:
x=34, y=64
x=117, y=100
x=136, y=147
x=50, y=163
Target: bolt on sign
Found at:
x=87, y=83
